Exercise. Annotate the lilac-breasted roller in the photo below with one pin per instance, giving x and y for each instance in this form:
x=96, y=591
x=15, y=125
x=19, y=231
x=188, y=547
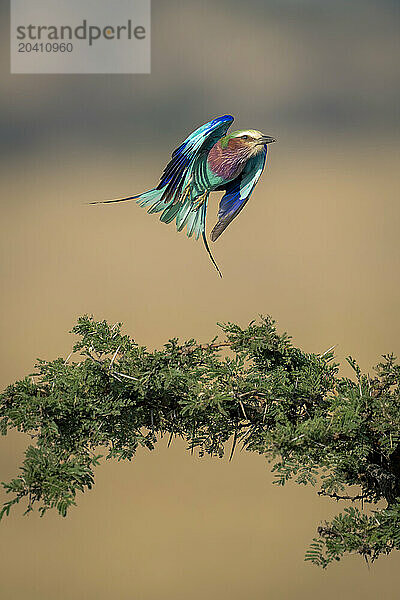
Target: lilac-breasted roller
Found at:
x=208, y=160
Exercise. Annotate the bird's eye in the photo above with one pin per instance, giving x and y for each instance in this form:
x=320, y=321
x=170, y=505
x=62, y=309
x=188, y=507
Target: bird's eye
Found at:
x=245, y=137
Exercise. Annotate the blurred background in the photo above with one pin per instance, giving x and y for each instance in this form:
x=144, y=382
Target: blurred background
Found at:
x=317, y=247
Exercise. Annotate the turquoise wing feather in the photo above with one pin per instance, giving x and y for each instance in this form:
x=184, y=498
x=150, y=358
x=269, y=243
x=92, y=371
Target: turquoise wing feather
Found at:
x=237, y=193
x=185, y=178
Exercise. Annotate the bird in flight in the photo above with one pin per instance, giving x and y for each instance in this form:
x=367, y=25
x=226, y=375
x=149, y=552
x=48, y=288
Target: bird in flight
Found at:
x=209, y=160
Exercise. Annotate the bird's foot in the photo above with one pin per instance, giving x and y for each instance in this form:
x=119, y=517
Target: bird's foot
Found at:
x=186, y=192
x=199, y=201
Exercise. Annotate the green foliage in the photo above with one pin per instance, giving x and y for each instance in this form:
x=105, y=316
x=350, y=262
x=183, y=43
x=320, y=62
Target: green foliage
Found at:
x=255, y=389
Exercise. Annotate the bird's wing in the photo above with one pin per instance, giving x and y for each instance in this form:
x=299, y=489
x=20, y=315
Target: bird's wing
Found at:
x=184, y=179
x=237, y=192
x=185, y=166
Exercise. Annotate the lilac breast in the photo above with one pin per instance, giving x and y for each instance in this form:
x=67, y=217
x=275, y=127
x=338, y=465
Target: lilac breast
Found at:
x=226, y=163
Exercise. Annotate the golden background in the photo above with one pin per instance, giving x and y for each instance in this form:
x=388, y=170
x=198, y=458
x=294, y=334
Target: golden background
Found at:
x=317, y=247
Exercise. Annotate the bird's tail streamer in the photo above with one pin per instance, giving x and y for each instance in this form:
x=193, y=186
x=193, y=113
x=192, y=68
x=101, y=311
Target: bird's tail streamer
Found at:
x=207, y=247
x=210, y=254
x=116, y=200
x=147, y=199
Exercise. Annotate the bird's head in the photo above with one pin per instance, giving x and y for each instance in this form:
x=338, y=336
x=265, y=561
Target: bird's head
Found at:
x=247, y=139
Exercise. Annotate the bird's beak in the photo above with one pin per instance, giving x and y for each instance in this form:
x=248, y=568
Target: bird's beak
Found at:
x=265, y=139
